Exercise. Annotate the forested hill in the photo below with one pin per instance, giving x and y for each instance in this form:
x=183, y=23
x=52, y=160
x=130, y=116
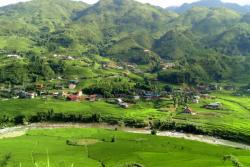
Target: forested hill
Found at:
x=204, y=44
x=211, y=4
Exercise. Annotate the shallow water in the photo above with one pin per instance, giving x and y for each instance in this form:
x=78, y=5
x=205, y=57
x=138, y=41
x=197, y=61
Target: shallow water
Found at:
x=21, y=130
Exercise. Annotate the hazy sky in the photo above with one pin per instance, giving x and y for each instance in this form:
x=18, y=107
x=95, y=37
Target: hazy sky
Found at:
x=163, y=3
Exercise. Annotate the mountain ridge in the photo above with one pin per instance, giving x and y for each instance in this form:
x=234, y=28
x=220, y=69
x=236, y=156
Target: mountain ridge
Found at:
x=129, y=32
x=211, y=4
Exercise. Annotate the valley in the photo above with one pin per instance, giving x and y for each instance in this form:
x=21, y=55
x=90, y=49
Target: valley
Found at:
x=120, y=83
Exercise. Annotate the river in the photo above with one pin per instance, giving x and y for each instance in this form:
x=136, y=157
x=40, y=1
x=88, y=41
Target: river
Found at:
x=21, y=130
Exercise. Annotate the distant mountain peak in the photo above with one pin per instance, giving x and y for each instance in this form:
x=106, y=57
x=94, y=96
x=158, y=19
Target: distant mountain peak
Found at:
x=211, y=4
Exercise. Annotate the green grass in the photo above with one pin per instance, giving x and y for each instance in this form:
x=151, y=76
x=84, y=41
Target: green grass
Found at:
x=29, y=107
x=143, y=149
x=233, y=118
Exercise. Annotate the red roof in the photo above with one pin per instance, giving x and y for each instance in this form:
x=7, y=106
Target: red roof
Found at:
x=188, y=110
x=73, y=97
x=93, y=96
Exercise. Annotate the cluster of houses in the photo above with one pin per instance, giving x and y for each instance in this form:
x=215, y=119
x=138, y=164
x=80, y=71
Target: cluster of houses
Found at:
x=14, y=56
x=111, y=65
x=166, y=66
x=79, y=96
x=64, y=57
x=210, y=106
x=214, y=87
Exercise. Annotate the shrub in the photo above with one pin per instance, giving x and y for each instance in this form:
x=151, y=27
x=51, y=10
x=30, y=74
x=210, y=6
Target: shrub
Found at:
x=133, y=164
x=113, y=139
x=153, y=132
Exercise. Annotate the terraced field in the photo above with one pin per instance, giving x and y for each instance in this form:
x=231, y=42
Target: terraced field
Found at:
x=99, y=147
x=232, y=120
x=234, y=117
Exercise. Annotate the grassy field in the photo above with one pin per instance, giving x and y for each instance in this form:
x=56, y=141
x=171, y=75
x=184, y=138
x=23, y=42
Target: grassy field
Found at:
x=233, y=118
x=28, y=107
x=49, y=146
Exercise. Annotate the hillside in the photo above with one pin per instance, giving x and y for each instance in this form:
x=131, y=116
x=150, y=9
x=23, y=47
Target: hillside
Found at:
x=123, y=31
x=69, y=69
x=211, y=4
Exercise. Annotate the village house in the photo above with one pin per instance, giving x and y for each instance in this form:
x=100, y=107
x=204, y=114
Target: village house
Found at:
x=29, y=95
x=39, y=86
x=214, y=106
x=205, y=96
x=120, y=68
x=136, y=97
x=91, y=98
x=166, y=66
x=195, y=101
x=121, y=103
x=14, y=56
x=130, y=66
x=213, y=87
x=79, y=93
x=229, y=88
x=197, y=97
x=72, y=86
x=188, y=110
x=119, y=100
x=202, y=89
x=56, y=94
x=151, y=95
x=64, y=94
x=42, y=93
x=124, y=105
x=111, y=65
x=70, y=58
x=73, y=98
x=78, y=96
x=59, y=86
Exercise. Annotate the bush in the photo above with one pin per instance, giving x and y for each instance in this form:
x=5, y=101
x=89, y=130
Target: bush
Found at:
x=153, y=132
x=133, y=164
x=113, y=139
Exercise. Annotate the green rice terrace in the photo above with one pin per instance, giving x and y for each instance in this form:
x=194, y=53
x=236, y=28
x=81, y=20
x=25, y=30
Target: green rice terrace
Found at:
x=229, y=122
x=66, y=147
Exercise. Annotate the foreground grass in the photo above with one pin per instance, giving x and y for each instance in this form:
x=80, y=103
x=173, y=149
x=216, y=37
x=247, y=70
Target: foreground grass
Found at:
x=43, y=147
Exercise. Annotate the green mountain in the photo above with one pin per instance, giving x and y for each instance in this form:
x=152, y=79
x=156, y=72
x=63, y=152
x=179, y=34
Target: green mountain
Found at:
x=175, y=44
x=234, y=41
x=211, y=4
x=208, y=21
x=202, y=42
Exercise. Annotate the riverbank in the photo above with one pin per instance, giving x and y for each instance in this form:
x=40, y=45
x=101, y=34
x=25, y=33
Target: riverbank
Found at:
x=21, y=130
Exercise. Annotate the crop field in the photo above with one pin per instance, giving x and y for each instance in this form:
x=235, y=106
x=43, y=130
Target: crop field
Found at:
x=234, y=117
x=29, y=107
x=99, y=147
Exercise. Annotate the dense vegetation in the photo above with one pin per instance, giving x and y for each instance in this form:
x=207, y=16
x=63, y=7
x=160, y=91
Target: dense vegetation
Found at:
x=129, y=64
x=210, y=44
